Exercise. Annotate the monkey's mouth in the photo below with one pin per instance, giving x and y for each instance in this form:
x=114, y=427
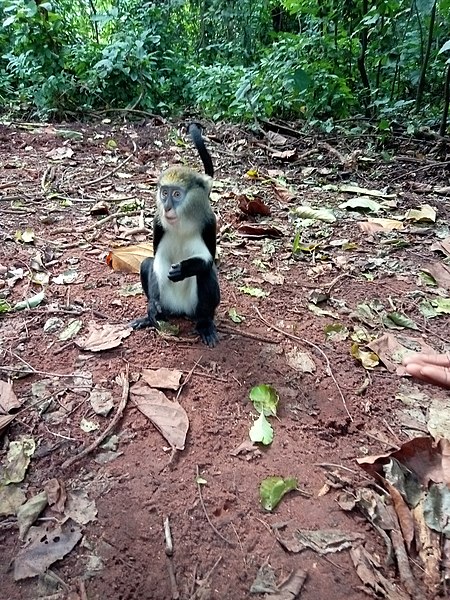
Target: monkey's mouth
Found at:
x=171, y=219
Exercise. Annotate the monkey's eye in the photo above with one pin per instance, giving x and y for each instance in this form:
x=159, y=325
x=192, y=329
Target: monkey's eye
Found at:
x=177, y=194
x=164, y=193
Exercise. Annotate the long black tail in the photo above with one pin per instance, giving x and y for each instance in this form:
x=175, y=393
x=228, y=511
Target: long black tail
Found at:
x=195, y=132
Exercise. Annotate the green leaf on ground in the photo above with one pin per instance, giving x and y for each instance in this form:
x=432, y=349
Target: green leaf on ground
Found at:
x=318, y=214
x=30, y=302
x=265, y=399
x=369, y=360
x=336, y=332
x=363, y=203
x=234, y=316
x=272, y=490
x=397, y=320
x=252, y=291
x=261, y=431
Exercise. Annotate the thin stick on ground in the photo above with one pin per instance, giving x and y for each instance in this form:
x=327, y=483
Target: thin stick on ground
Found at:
x=175, y=594
x=296, y=338
x=34, y=371
x=97, y=224
x=82, y=589
x=122, y=164
x=188, y=377
x=205, y=581
x=252, y=336
x=96, y=443
x=213, y=527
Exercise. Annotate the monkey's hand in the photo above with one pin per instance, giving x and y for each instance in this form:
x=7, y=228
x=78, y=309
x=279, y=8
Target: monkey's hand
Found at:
x=176, y=273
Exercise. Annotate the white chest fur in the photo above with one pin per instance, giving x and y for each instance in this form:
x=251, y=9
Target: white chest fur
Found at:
x=178, y=297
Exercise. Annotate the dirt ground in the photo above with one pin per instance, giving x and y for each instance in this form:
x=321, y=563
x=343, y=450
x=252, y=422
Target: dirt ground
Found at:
x=326, y=419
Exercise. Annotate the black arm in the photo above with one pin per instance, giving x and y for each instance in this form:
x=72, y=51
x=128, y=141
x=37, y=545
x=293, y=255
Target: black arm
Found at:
x=158, y=232
x=197, y=265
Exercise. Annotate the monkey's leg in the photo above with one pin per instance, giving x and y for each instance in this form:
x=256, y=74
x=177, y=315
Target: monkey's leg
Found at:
x=195, y=265
x=151, y=289
x=208, y=299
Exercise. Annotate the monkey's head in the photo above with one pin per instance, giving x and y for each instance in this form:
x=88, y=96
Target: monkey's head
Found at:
x=183, y=195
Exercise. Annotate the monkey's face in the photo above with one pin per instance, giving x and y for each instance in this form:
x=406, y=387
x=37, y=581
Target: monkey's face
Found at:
x=171, y=197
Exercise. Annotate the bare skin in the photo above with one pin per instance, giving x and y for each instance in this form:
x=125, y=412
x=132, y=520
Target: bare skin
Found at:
x=432, y=368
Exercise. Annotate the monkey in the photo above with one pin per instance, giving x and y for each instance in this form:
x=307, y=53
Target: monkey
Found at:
x=181, y=278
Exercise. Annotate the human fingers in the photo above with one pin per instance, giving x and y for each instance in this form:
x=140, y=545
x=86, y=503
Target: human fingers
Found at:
x=440, y=360
x=430, y=373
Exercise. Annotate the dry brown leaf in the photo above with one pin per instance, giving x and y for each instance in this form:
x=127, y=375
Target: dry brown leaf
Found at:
x=273, y=278
x=368, y=569
x=129, y=258
x=440, y=272
x=285, y=154
x=100, y=208
x=48, y=547
x=391, y=352
x=428, y=459
x=404, y=515
x=429, y=549
x=291, y=587
x=258, y=231
x=283, y=194
x=5, y=420
x=8, y=399
x=276, y=139
x=442, y=246
x=253, y=206
x=321, y=541
x=103, y=337
x=165, y=379
x=245, y=447
x=169, y=417
x=56, y=494
x=300, y=361
x=377, y=224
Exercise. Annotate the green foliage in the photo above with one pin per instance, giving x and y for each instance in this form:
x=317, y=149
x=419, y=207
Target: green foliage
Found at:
x=234, y=59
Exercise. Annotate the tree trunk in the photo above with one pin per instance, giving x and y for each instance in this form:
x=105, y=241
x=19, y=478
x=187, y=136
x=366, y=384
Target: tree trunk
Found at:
x=426, y=59
x=363, y=38
x=443, y=127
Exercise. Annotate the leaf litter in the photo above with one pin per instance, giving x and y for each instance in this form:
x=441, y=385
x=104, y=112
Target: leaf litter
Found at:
x=393, y=318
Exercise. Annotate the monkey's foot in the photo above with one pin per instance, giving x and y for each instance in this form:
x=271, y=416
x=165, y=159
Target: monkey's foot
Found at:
x=208, y=334
x=144, y=322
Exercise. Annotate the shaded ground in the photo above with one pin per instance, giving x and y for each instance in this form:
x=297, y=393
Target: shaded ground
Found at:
x=122, y=553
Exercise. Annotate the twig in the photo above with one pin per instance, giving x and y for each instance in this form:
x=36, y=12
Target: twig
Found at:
x=36, y=372
x=333, y=151
x=404, y=568
x=50, y=170
x=210, y=376
x=82, y=589
x=60, y=435
x=216, y=531
x=173, y=581
x=122, y=164
x=187, y=378
x=308, y=343
x=123, y=402
x=194, y=595
x=168, y=537
x=252, y=336
x=99, y=223
x=335, y=466
x=427, y=166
